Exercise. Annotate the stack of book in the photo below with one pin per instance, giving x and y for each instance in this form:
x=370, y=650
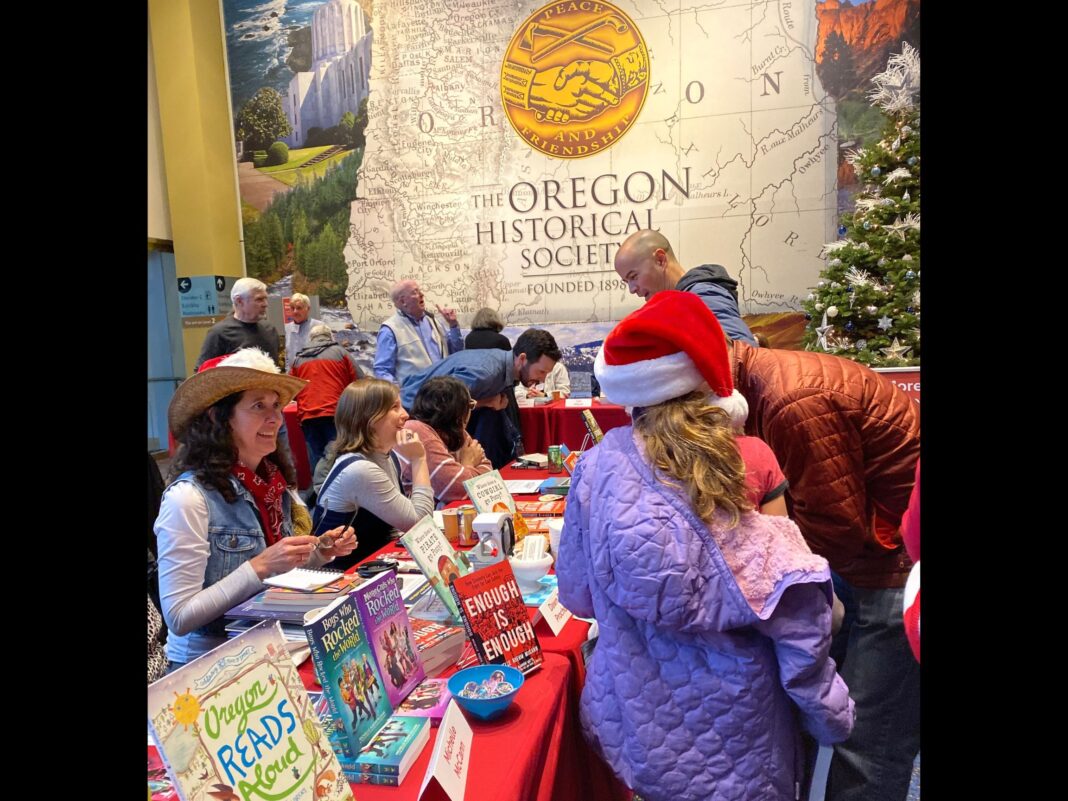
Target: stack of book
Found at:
x=284, y=597
x=367, y=660
x=439, y=644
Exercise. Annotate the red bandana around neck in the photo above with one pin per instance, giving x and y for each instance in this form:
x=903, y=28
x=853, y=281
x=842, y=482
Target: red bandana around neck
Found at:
x=268, y=496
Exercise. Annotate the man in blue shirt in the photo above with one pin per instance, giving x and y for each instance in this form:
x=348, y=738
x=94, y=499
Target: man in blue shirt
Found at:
x=490, y=376
x=413, y=339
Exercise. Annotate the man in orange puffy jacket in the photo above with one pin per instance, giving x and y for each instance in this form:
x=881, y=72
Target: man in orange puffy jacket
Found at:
x=848, y=440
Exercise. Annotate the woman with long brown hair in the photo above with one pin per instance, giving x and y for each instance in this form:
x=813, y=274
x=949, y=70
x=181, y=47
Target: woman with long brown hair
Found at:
x=231, y=516
x=364, y=479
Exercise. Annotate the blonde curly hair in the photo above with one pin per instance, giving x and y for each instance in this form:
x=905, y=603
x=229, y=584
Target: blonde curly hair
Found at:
x=689, y=440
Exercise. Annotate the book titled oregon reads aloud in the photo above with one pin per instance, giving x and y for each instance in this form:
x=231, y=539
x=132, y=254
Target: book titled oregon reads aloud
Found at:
x=237, y=724
x=496, y=620
x=345, y=667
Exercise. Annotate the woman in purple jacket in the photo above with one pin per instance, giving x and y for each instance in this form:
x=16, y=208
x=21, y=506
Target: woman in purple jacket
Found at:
x=715, y=620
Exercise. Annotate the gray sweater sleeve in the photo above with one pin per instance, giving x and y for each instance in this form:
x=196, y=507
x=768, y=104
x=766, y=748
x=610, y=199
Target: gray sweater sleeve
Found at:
x=365, y=485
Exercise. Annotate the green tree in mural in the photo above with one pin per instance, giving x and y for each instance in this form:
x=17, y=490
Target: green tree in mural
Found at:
x=866, y=305
x=838, y=70
x=272, y=231
x=262, y=121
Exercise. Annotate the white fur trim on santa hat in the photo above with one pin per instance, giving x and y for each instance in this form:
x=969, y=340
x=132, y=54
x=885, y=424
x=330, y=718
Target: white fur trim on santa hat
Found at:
x=735, y=405
x=252, y=358
x=653, y=381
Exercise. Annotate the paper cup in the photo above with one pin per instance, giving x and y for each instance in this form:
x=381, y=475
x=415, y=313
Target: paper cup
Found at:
x=556, y=527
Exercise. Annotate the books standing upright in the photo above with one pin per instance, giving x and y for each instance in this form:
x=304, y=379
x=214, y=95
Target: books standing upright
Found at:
x=496, y=620
x=237, y=723
x=345, y=667
x=489, y=493
x=389, y=631
x=439, y=561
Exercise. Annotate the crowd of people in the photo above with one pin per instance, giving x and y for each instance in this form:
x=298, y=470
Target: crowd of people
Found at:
x=739, y=543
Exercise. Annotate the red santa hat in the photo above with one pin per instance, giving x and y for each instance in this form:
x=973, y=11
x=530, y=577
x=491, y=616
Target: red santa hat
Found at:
x=670, y=346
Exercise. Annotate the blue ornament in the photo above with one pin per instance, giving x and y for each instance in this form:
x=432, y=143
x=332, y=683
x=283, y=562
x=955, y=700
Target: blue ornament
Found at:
x=876, y=171
x=808, y=316
x=908, y=309
x=849, y=326
x=841, y=230
x=910, y=274
x=911, y=160
x=867, y=225
x=849, y=289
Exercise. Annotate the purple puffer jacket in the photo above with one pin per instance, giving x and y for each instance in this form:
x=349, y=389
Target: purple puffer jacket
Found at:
x=713, y=641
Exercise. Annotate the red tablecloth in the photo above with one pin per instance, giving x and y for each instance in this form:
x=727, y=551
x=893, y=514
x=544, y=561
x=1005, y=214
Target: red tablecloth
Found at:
x=555, y=424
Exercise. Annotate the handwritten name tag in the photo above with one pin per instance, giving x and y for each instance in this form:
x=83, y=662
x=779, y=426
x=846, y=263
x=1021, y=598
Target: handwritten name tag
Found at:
x=452, y=755
x=555, y=613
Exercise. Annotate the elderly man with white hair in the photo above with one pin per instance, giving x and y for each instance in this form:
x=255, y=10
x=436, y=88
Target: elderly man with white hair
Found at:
x=413, y=339
x=245, y=328
x=299, y=329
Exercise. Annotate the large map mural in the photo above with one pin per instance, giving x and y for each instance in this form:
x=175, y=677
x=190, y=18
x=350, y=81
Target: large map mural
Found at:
x=500, y=152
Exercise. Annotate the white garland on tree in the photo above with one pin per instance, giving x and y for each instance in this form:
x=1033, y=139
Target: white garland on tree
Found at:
x=894, y=88
x=900, y=172
x=857, y=277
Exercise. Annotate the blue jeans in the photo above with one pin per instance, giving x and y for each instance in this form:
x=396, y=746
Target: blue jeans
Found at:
x=875, y=763
x=318, y=433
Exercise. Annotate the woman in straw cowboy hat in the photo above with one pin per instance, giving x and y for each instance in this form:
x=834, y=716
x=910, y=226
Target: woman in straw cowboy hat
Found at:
x=714, y=620
x=227, y=519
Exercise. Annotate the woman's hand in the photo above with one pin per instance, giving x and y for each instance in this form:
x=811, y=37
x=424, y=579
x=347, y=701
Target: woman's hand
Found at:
x=471, y=453
x=284, y=555
x=409, y=445
x=343, y=542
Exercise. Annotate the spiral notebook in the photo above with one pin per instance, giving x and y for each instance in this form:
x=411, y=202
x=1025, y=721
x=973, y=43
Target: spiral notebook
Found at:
x=303, y=578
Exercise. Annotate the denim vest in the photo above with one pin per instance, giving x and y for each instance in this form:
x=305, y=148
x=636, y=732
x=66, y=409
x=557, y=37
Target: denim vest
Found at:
x=235, y=535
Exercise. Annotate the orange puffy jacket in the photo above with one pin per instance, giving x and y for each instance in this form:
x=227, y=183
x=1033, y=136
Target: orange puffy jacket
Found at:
x=848, y=440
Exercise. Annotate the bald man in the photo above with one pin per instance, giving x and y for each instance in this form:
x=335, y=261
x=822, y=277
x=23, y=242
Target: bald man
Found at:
x=648, y=265
x=413, y=339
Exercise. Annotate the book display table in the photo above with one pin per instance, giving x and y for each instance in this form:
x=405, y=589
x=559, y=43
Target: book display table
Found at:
x=556, y=424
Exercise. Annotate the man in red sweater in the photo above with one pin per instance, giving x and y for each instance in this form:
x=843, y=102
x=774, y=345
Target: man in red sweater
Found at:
x=330, y=368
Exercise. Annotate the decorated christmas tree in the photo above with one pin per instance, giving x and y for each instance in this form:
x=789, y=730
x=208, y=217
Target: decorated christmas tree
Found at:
x=866, y=305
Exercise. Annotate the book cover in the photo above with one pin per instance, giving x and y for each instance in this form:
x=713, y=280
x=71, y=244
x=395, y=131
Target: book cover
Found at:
x=237, y=723
x=345, y=668
x=385, y=620
x=489, y=493
x=439, y=561
x=495, y=618
x=395, y=747
x=556, y=486
x=428, y=700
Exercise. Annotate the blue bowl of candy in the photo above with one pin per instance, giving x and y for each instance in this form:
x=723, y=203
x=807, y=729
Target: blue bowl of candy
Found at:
x=486, y=691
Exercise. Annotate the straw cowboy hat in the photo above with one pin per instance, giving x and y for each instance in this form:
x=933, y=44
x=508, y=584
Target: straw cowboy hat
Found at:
x=248, y=368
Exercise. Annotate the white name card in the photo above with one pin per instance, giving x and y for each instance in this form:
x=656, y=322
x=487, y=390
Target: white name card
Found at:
x=555, y=613
x=578, y=403
x=452, y=755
